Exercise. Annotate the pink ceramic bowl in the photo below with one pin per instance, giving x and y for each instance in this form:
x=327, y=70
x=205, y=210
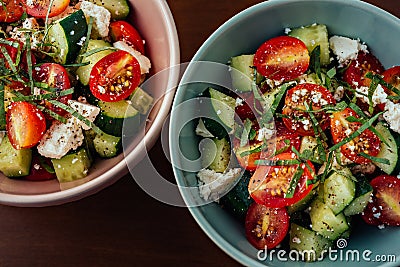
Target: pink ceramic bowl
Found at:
x=154, y=21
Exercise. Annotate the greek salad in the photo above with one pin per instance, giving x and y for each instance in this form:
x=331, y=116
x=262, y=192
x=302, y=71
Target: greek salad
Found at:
x=310, y=135
x=70, y=75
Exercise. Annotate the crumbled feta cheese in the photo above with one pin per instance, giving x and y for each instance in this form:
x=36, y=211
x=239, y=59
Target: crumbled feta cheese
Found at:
x=213, y=185
x=339, y=92
x=144, y=62
x=265, y=134
x=345, y=48
x=88, y=111
x=239, y=102
x=61, y=138
x=392, y=115
x=100, y=15
x=29, y=24
x=379, y=96
x=201, y=130
x=362, y=93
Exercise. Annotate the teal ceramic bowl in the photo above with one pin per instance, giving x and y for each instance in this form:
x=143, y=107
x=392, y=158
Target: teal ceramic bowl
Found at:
x=243, y=34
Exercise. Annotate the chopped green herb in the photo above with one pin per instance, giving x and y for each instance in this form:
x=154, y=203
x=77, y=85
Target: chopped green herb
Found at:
x=294, y=182
x=379, y=160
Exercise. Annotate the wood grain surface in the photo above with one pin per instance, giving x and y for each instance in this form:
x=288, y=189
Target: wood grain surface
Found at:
x=122, y=225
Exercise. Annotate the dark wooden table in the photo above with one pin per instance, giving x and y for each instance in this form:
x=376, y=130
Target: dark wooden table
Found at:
x=122, y=225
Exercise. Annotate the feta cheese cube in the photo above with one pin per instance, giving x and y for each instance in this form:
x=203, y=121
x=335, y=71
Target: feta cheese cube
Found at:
x=213, y=185
x=101, y=17
x=61, y=138
x=88, y=111
x=345, y=48
x=392, y=115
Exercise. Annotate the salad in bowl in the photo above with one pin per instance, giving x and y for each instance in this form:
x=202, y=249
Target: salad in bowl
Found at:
x=311, y=130
x=71, y=77
x=298, y=150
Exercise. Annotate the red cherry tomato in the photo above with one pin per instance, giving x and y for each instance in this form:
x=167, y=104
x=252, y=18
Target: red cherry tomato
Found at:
x=358, y=68
x=11, y=10
x=123, y=31
x=246, y=109
x=278, y=143
x=115, y=76
x=366, y=142
x=266, y=227
x=25, y=124
x=391, y=76
x=298, y=120
x=269, y=184
x=38, y=171
x=39, y=8
x=56, y=76
x=23, y=64
x=282, y=58
x=385, y=205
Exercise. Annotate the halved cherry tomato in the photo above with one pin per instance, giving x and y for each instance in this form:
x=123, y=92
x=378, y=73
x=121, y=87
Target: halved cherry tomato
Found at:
x=115, y=76
x=266, y=227
x=312, y=94
x=367, y=142
x=391, y=76
x=56, y=76
x=282, y=58
x=123, y=31
x=13, y=53
x=358, y=68
x=385, y=205
x=39, y=8
x=38, y=172
x=25, y=124
x=246, y=110
x=269, y=184
x=282, y=142
x=11, y=10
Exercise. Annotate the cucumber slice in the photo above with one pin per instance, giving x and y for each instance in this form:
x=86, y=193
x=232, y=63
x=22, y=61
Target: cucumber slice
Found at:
x=223, y=107
x=67, y=37
x=219, y=160
x=363, y=196
x=243, y=75
x=238, y=200
x=310, y=243
x=310, y=143
x=83, y=72
x=119, y=9
x=325, y=222
x=339, y=190
x=141, y=100
x=312, y=36
x=72, y=166
x=112, y=116
x=13, y=162
x=390, y=151
x=107, y=146
x=304, y=202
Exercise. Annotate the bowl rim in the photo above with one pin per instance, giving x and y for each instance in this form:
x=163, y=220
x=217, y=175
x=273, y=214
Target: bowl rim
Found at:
x=120, y=169
x=196, y=212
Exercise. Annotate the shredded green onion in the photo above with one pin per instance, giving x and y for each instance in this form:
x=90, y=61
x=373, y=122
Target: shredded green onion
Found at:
x=293, y=182
x=379, y=160
x=356, y=133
